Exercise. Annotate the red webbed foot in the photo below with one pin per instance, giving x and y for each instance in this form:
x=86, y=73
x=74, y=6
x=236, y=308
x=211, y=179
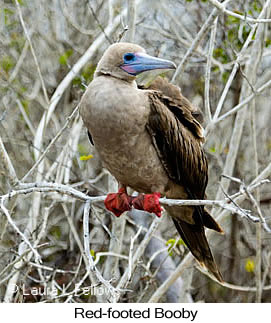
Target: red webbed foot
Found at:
x=148, y=202
x=119, y=202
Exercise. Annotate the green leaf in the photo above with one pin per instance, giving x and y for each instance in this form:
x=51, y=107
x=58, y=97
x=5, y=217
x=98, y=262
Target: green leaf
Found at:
x=232, y=35
x=181, y=242
x=225, y=76
x=76, y=81
x=7, y=14
x=232, y=20
x=92, y=252
x=257, y=6
x=268, y=144
x=171, y=243
x=63, y=59
x=267, y=42
x=88, y=73
x=7, y=63
x=83, y=150
x=25, y=104
x=215, y=69
x=20, y=2
x=56, y=232
x=218, y=52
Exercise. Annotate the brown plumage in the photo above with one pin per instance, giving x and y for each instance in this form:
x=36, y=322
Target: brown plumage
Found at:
x=150, y=140
x=173, y=94
x=181, y=154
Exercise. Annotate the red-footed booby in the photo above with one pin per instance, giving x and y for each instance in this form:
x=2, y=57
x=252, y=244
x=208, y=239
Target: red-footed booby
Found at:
x=150, y=140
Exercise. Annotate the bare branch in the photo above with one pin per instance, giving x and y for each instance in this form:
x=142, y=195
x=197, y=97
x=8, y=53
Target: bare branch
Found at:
x=53, y=141
x=114, y=292
x=8, y=167
x=245, y=18
x=243, y=103
x=131, y=18
x=208, y=70
x=195, y=43
x=32, y=51
x=139, y=252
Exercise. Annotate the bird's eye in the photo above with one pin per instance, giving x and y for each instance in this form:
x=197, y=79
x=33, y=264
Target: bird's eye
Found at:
x=128, y=57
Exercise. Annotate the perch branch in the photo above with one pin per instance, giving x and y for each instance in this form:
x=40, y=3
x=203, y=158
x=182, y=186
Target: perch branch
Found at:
x=67, y=190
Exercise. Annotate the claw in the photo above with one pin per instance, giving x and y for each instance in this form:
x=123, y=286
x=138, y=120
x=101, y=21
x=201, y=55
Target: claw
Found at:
x=148, y=202
x=119, y=202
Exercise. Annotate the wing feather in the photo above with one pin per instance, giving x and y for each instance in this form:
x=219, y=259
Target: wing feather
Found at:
x=177, y=137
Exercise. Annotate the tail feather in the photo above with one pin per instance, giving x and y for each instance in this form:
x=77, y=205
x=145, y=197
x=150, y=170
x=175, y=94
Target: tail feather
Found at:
x=194, y=237
x=209, y=222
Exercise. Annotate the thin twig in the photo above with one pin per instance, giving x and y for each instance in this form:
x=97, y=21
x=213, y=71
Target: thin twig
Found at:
x=245, y=18
x=53, y=141
x=241, y=115
x=232, y=286
x=12, y=223
x=185, y=263
x=7, y=164
x=195, y=43
x=114, y=292
x=243, y=103
x=208, y=71
x=133, y=239
x=131, y=18
x=98, y=23
x=32, y=51
x=236, y=65
x=139, y=252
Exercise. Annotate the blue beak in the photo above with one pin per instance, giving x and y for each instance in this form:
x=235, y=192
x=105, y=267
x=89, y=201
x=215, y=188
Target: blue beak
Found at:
x=136, y=63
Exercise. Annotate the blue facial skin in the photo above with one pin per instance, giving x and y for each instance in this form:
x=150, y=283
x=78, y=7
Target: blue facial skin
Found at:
x=136, y=63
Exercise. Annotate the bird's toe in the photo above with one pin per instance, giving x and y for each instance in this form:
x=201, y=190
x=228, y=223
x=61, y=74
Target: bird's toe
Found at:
x=118, y=203
x=148, y=202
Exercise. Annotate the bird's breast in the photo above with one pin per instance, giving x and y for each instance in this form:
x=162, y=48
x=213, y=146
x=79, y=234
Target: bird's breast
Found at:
x=116, y=116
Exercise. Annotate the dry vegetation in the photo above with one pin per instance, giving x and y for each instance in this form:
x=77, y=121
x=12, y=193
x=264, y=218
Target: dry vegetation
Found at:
x=55, y=236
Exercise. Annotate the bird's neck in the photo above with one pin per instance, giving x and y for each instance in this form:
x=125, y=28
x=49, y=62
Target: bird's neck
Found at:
x=117, y=74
